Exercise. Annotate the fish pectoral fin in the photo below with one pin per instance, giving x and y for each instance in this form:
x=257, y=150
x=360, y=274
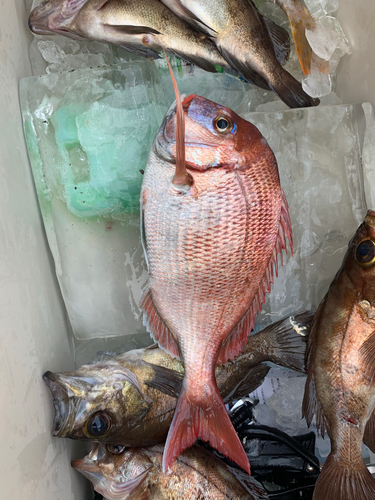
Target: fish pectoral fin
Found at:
x=190, y=18
x=135, y=487
x=369, y=436
x=253, y=379
x=367, y=351
x=165, y=380
x=156, y=326
x=195, y=59
x=132, y=30
x=280, y=40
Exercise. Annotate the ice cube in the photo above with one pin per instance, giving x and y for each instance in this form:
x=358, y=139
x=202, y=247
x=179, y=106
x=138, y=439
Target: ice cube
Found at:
x=88, y=133
x=317, y=84
x=323, y=39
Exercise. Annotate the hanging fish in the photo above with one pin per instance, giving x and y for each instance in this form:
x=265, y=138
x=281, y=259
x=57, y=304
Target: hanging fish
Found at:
x=143, y=27
x=340, y=387
x=253, y=45
x=214, y=219
x=130, y=399
x=136, y=473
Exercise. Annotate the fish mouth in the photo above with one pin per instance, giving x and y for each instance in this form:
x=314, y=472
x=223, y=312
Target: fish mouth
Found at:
x=64, y=405
x=370, y=218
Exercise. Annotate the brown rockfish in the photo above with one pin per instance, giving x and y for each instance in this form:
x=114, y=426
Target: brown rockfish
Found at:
x=252, y=44
x=143, y=27
x=214, y=219
x=130, y=399
x=340, y=388
x=136, y=473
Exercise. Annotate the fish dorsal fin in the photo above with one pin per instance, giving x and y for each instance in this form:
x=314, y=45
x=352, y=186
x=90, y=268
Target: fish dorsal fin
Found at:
x=156, y=326
x=311, y=405
x=236, y=341
x=182, y=179
x=369, y=436
x=280, y=40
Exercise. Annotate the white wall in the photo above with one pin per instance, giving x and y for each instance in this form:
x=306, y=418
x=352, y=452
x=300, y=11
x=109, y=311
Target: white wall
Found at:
x=33, y=328
x=356, y=72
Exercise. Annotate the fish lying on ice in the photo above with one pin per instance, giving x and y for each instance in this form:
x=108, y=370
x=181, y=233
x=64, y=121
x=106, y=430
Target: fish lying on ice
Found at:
x=143, y=27
x=340, y=388
x=130, y=399
x=214, y=219
x=136, y=473
x=253, y=45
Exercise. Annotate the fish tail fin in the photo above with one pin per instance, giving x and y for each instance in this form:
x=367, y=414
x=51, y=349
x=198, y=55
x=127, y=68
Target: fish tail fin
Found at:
x=290, y=91
x=207, y=419
x=346, y=483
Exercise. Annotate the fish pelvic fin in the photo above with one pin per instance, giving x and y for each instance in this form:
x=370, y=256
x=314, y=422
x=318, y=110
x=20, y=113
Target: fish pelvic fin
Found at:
x=253, y=379
x=290, y=91
x=205, y=418
x=155, y=325
x=235, y=343
x=344, y=482
x=369, y=435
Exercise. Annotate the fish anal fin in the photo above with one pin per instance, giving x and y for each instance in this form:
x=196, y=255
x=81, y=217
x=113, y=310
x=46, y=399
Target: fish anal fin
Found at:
x=253, y=379
x=195, y=59
x=131, y=30
x=369, y=435
x=235, y=342
x=367, y=352
x=339, y=481
x=165, y=380
x=280, y=40
x=207, y=419
x=156, y=326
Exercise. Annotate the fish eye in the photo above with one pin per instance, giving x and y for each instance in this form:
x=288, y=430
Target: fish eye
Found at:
x=97, y=425
x=223, y=124
x=365, y=253
x=115, y=449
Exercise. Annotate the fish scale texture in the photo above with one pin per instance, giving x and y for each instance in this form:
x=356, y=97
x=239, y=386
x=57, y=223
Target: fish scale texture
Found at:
x=207, y=257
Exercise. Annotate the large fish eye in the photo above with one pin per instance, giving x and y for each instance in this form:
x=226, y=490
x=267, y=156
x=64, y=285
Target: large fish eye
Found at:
x=115, y=449
x=365, y=253
x=223, y=124
x=97, y=425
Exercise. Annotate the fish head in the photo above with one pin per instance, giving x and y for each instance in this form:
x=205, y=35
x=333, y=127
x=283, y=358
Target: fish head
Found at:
x=359, y=262
x=215, y=136
x=115, y=472
x=55, y=17
x=96, y=402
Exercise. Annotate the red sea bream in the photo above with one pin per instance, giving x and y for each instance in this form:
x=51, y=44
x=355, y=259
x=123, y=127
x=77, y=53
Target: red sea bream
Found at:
x=211, y=242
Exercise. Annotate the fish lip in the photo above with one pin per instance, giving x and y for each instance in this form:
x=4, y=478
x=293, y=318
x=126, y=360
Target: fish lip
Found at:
x=62, y=403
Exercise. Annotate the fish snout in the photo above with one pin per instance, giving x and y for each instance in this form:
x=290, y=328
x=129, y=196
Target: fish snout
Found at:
x=61, y=403
x=39, y=19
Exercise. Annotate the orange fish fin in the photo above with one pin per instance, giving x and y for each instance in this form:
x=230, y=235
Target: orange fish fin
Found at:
x=311, y=405
x=156, y=326
x=206, y=419
x=367, y=352
x=369, y=436
x=254, y=378
x=235, y=343
x=339, y=481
